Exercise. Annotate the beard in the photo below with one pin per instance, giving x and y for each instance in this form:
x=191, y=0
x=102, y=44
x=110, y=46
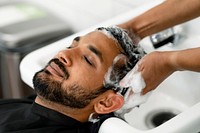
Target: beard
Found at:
x=72, y=95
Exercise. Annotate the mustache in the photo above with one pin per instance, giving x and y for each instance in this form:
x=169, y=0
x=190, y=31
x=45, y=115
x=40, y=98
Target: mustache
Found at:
x=61, y=66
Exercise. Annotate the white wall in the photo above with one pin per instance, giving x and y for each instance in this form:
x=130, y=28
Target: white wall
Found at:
x=82, y=14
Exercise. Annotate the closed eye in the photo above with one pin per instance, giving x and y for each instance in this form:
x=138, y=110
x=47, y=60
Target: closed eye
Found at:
x=88, y=61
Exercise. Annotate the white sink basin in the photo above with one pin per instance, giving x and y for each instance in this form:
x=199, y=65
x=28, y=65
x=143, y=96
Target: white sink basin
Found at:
x=179, y=94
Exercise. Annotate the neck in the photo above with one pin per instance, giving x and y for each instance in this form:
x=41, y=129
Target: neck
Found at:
x=77, y=114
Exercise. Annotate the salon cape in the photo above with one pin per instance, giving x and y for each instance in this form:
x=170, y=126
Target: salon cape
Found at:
x=26, y=116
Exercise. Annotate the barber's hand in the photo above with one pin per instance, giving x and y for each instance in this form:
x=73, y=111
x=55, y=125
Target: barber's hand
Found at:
x=155, y=67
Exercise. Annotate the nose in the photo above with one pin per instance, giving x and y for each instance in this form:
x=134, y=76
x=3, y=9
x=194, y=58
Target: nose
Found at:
x=65, y=57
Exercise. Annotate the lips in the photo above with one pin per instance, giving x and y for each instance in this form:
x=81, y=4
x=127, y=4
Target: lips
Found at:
x=57, y=68
x=54, y=69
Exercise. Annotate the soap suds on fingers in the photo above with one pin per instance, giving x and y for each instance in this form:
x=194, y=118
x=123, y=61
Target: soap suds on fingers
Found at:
x=133, y=97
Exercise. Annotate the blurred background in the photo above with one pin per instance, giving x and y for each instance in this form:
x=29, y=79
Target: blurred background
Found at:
x=26, y=25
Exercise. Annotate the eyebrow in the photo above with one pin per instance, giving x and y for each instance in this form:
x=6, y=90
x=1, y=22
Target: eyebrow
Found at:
x=96, y=52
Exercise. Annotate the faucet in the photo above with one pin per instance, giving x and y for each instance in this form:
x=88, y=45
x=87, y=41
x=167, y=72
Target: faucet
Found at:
x=171, y=35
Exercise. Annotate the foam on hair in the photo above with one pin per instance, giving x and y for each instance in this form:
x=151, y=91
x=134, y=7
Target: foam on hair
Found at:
x=125, y=61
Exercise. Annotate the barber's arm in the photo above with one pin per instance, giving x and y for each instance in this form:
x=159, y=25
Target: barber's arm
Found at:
x=165, y=15
x=167, y=63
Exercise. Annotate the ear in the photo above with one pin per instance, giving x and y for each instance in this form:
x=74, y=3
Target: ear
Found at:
x=110, y=102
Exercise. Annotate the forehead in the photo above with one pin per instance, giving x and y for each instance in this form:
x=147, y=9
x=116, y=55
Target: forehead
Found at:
x=101, y=42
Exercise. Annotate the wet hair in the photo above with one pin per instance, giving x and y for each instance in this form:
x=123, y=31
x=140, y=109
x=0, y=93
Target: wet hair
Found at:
x=122, y=64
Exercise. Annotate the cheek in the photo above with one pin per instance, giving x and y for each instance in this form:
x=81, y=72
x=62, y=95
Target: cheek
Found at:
x=93, y=80
x=86, y=76
x=90, y=80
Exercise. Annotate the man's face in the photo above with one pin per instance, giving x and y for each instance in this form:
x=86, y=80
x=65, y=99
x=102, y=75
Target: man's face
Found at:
x=75, y=76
